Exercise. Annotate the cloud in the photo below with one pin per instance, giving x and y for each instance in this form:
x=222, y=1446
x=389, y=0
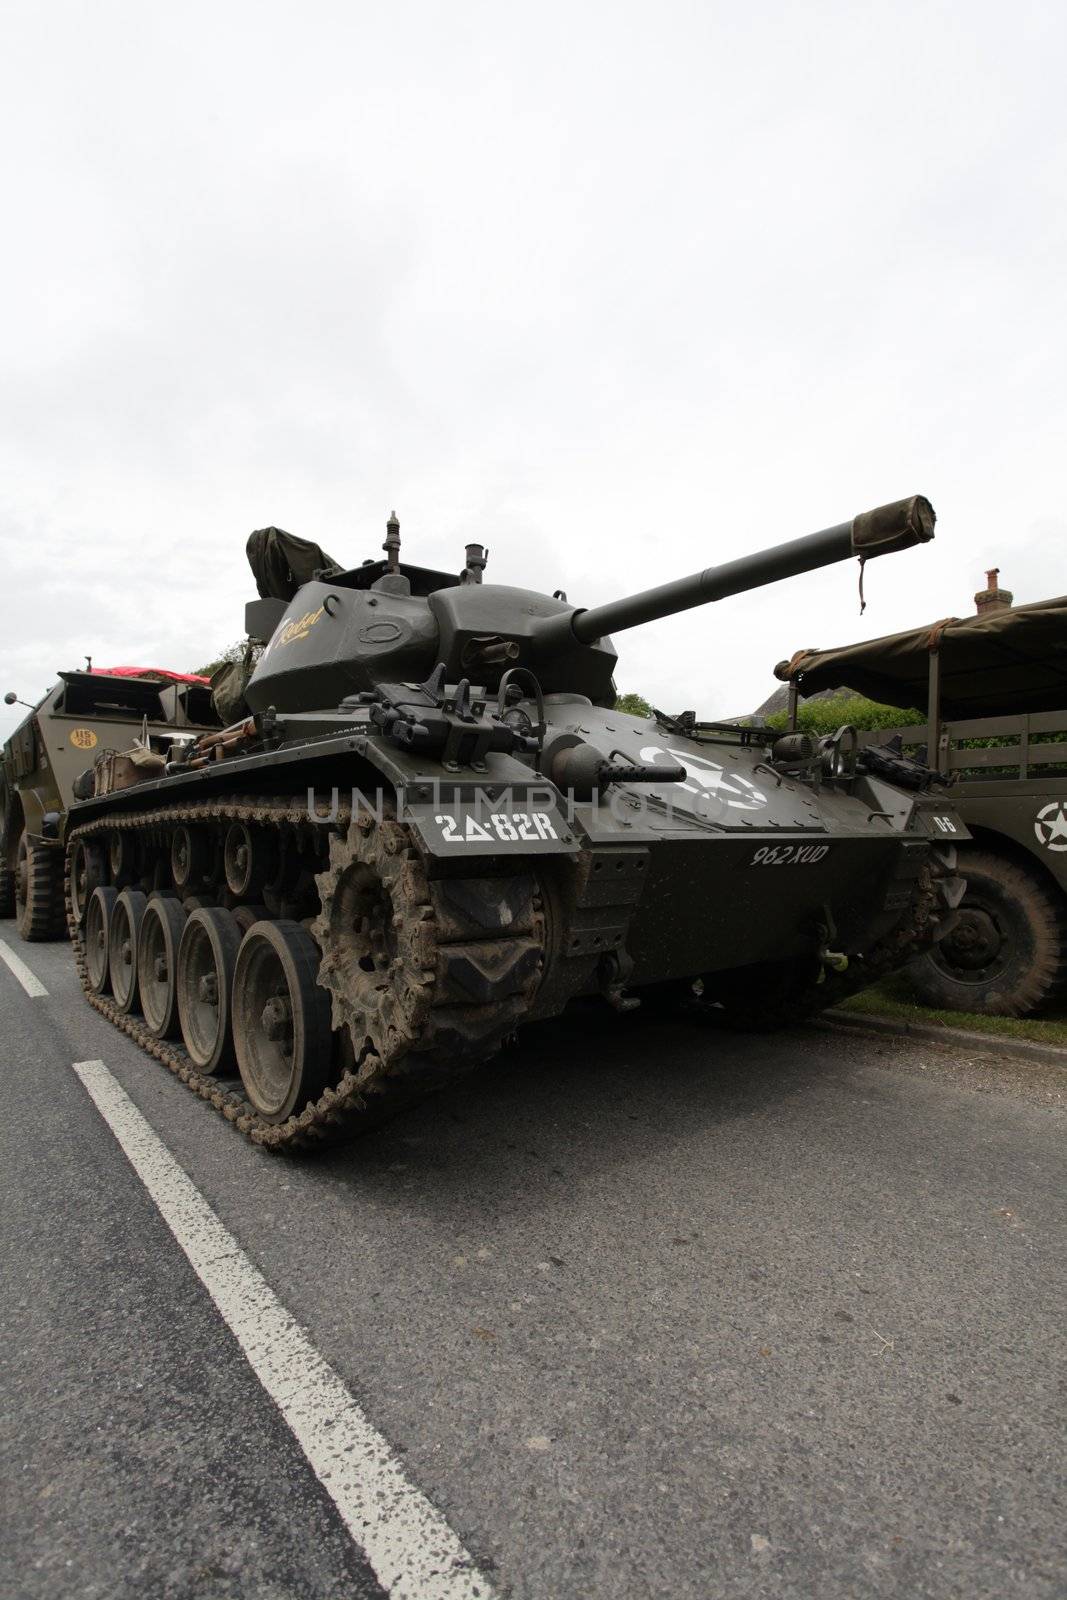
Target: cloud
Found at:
x=619, y=293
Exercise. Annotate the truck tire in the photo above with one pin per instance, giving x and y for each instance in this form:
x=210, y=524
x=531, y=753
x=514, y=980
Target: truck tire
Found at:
x=7, y=890
x=1007, y=953
x=39, y=891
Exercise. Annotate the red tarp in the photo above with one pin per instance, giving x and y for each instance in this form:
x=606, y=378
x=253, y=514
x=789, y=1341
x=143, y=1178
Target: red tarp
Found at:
x=149, y=672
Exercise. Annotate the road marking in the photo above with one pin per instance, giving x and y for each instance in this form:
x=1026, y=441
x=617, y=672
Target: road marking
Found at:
x=32, y=985
x=414, y=1553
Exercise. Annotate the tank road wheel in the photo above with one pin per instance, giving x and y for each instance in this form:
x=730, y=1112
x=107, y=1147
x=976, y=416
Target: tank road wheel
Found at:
x=190, y=857
x=247, y=916
x=207, y=956
x=38, y=890
x=1007, y=952
x=281, y=1019
x=86, y=874
x=126, y=916
x=157, y=964
x=250, y=859
x=97, y=937
x=121, y=856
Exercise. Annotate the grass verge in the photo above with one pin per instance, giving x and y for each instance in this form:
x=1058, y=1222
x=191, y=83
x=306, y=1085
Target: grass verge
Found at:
x=894, y=997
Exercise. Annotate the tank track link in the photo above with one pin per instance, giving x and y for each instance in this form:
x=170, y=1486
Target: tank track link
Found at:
x=478, y=944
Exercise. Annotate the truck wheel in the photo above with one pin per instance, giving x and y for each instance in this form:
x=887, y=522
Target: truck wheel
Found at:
x=7, y=890
x=1007, y=953
x=39, y=891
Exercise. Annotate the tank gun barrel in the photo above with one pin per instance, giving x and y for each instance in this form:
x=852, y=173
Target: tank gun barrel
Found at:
x=873, y=533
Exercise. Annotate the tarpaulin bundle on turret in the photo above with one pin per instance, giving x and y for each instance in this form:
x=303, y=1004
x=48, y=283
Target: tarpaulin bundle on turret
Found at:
x=282, y=563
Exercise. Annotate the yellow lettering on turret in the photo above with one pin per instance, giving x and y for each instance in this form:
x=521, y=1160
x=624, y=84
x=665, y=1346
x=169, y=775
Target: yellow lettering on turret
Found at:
x=300, y=627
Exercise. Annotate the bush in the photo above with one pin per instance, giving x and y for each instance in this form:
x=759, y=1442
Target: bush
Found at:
x=634, y=704
x=819, y=717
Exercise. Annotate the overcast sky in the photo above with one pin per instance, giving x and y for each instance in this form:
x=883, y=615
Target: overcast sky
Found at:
x=620, y=290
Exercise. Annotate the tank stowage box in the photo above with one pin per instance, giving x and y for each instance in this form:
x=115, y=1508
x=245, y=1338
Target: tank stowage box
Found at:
x=433, y=826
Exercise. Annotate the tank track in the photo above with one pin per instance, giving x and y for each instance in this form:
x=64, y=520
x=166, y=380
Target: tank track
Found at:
x=479, y=943
x=915, y=930
x=798, y=997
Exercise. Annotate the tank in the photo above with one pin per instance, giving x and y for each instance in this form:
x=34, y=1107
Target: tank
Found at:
x=432, y=827
x=85, y=714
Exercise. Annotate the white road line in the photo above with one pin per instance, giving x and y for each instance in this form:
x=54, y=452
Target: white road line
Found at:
x=414, y=1553
x=32, y=984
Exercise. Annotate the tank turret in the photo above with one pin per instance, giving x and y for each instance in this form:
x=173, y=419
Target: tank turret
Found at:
x=389, y=622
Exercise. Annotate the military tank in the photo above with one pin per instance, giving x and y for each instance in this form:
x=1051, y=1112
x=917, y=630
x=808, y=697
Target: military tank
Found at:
x=432, y=827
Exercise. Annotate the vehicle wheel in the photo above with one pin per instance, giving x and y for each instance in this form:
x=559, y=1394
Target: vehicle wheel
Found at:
x=7, y=877
x=7, y=891
x=190, y=857
x=207, y=955
x=121, y=855
x=157, y=964
x=97, y=937
x=126, y=917
x=281, y=1019
x=39, y=891
x=247, y=916
x=1007, y=952
x=86, y=874
x=250, y=859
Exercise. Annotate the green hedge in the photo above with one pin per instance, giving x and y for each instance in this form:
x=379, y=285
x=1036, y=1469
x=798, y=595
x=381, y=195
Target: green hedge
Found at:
x=826, y=716
x=634, y=704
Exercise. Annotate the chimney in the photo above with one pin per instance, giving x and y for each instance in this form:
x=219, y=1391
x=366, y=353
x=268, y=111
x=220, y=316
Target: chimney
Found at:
x=992, y=597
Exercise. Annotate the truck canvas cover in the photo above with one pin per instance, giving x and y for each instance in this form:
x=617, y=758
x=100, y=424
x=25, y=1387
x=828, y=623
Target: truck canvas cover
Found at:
x=1004, y=662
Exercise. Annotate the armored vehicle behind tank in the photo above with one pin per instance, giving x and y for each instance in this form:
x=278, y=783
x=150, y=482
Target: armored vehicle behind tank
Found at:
x=433, y=826
x=83, y=716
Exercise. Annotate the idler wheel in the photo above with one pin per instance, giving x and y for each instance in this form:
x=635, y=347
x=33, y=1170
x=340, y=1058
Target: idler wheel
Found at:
x=207, y=955
x=250, y=859
x=281, y=1019
x=87, y=872
x=190, y=856
x=157, y=964
x=126, y=917
x=97, y=937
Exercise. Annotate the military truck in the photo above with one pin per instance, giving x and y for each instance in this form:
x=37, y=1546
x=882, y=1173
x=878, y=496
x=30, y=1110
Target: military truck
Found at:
x=995, y=688
x=84, y=715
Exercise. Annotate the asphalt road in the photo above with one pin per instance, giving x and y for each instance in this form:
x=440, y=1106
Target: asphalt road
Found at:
x=642, y=1310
